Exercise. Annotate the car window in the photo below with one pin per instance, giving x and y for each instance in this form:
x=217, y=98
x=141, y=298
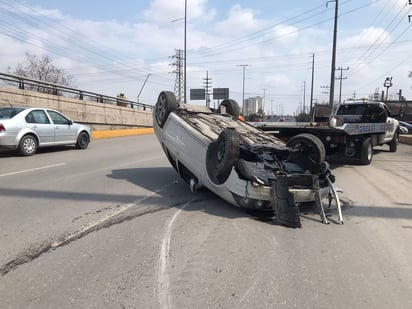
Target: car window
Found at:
x=9, y=112
x=58, y=118
x=37, y=116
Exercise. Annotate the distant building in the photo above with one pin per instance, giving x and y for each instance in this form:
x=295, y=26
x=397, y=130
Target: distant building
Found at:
x=253, y=105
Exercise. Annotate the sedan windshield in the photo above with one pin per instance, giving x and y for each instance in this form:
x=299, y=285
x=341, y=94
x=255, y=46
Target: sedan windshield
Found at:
x=9, y=112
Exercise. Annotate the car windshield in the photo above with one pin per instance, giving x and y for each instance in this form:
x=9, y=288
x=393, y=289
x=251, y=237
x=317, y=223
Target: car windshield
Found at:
x=9, y=112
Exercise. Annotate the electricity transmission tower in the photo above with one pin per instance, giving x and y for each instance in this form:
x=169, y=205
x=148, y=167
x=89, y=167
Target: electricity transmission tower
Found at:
x=179, y=71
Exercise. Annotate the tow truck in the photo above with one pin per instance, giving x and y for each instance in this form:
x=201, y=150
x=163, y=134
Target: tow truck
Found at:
x=351, y=130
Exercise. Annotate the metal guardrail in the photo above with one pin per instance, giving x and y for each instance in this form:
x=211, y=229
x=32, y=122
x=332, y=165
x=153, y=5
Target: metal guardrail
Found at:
x=55, y=89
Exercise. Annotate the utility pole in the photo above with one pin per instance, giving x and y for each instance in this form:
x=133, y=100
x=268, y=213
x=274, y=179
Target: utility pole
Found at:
x=332, y=73
x=264, y=99
x=311, y=87
x=409, y=16
x=340, y=84
x=185, y=58
x=243, y=88
x=207, y=85
x=304, y=97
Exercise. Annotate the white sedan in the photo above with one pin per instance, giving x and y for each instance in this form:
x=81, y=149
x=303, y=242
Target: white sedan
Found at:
x=242, y=164
x=27, y=129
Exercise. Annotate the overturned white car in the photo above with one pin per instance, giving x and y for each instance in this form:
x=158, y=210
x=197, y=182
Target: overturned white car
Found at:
x=240, y=163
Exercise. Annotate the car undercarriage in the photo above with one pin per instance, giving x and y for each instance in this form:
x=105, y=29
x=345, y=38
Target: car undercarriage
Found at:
x=241, y=163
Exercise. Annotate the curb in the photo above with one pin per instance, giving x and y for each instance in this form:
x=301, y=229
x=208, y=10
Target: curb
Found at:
x=405, y=139
x=118, y=133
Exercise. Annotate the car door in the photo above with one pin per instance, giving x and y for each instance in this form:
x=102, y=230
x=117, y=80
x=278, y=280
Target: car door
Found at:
x=64, y=132
x=390, y=125
x=38, y=121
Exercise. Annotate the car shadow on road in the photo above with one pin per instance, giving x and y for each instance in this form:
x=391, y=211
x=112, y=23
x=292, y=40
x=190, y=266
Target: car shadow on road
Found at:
x=204, y=200
x=174, y=191
x=5, y=153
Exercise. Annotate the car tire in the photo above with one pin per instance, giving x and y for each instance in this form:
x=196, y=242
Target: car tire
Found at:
x=166, y=103
x=366, y=152
x=232, y=108
x=221, y=155
x=28, y=145
x=82, y=140
x=393, y=144
x=311, y=144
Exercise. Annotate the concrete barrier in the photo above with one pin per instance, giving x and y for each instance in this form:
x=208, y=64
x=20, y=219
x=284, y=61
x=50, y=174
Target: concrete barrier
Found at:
x=99, y=116
x=118, y=133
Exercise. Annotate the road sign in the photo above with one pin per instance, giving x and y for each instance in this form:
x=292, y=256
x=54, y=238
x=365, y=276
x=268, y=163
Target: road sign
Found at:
x=197, y=94
x=220, y=93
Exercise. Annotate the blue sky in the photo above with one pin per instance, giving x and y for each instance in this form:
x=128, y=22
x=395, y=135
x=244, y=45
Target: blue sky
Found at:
x=111, y=47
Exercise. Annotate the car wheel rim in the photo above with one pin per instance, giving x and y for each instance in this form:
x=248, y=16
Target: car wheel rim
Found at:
x=83, y=140
x=29, y=145
x=221, y=152
x=369, y=152
x=161, y=110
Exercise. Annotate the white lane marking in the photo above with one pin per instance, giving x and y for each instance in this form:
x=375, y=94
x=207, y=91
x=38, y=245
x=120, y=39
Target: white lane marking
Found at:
x=32, y=169
x=163, y=276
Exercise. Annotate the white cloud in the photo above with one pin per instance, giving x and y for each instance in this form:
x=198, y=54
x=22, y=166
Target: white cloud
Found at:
x=277, y=81
x=239, y=21
x=393, y=5
x=165, y=11
x=285, y=33
x=366, y=37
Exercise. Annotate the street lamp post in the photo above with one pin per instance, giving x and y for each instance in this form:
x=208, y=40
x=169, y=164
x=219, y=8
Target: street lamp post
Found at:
x=147, y=77
x=184, y=76
x=243, y=88
x=332, y=73
x=184, y=50
x=387, y=84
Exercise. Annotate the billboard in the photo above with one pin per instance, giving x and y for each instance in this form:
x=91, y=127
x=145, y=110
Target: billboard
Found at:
x=220, y=93
x=197, y=94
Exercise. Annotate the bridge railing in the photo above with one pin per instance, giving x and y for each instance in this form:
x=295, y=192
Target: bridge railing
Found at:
x=22, y=82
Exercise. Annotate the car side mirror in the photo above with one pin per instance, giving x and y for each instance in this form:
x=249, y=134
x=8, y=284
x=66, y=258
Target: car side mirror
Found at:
x=70, y=122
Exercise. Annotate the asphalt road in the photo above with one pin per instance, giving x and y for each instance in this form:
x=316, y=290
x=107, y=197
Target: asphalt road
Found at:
x=113, y=226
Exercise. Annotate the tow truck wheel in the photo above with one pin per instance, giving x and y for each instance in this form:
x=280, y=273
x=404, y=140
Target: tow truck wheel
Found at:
x=366, y=152
x=393, y=144
x=310, y=144
x=221, y=155
x=166, y=103
x=232, y=108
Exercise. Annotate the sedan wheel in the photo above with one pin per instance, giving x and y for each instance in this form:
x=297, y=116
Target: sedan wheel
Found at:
x=82, y=141
x=28, y=145
x=166, y=104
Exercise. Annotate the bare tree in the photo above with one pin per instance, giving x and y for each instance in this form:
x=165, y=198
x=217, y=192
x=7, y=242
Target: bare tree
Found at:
x=42, y=69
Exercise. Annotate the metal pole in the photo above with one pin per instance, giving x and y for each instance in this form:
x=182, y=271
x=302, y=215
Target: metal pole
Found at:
x=264, y=100
x=184, y=91
x=340, y=85
x=332, y=73
x=304, y=97
x=311, y=87
x=147, y=77
x=243, y=89
x=243, y=92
